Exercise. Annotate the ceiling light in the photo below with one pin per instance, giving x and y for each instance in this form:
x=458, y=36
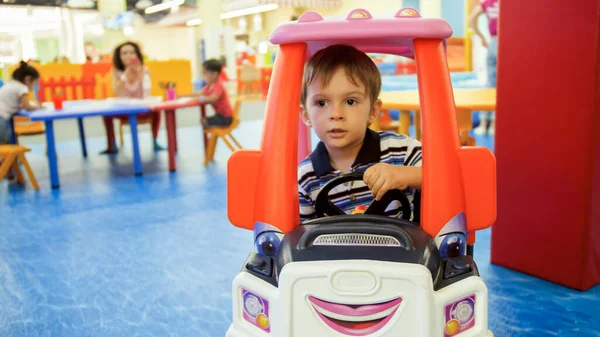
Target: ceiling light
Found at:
x=81, y=4
x=193, y=22
x=163, y=6
x=250, y=10
x=29, y=28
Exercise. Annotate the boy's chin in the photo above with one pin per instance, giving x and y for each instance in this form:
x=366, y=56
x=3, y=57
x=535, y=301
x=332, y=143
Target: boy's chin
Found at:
x=337, y=143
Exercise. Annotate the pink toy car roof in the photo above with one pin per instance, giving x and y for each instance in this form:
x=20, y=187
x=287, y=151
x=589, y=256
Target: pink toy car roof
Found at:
x=389, y=35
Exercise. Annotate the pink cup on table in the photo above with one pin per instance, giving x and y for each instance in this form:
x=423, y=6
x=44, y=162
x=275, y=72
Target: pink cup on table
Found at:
x=171, y=95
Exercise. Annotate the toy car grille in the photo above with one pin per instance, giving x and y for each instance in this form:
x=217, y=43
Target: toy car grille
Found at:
x=356, y=240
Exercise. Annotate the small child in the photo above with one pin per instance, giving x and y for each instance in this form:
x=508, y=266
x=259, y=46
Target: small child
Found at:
x=491, y=9
x=14, y=96
x=339, y=99
x=214, y=93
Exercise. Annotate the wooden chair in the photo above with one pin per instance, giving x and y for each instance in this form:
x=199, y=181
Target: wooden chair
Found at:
x=11, y=155
x=213, y=134
x=25, y=127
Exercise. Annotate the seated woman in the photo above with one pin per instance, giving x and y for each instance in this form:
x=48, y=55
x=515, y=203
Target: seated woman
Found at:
x=130, y=79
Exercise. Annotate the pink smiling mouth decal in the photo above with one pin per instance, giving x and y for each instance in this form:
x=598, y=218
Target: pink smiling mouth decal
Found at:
x=355, y=320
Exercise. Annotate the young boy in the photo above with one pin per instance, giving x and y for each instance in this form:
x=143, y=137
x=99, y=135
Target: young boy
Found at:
x=214, y=93
x=339, y=100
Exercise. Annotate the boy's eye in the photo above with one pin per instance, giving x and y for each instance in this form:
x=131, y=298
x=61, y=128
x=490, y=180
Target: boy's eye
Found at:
x=351, y=101
x=321, y=103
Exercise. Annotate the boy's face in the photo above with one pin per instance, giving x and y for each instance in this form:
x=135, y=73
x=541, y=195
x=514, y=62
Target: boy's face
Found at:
x=209, y=77
x=340, y=112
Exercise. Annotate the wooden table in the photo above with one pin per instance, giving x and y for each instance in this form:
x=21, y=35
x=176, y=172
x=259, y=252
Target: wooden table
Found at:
x=466, y=101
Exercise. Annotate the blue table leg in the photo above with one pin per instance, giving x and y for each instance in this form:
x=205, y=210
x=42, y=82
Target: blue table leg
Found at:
x=82, y=137
x=137, y=161
x=13, y=135
x=52, y=160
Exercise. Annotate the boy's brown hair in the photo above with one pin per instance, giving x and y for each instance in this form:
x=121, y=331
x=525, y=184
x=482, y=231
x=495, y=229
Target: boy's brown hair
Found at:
x=358, y=66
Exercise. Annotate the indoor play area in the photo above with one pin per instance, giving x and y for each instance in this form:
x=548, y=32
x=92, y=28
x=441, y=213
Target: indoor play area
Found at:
x=170, y=206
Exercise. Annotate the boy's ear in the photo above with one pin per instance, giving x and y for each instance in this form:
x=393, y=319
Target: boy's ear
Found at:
x=304, y=115
x=375, y=110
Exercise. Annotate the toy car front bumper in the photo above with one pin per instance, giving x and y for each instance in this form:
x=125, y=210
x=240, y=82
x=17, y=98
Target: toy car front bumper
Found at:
x=234, y=332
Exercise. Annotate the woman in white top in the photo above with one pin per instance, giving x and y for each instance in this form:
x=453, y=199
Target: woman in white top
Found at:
x=130, y=79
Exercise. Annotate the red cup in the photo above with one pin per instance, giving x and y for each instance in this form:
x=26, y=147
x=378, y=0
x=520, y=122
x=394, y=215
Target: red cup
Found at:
x=58, y=102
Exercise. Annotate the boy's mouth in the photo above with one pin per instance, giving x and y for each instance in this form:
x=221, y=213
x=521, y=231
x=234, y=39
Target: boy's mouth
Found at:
x=337, y=133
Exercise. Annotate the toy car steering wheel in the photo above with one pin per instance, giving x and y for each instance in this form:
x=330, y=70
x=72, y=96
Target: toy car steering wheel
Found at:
x=323, y=205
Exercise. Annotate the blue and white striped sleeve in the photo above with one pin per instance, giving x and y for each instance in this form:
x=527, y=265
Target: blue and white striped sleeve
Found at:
x=307, y=205
x=414, y=154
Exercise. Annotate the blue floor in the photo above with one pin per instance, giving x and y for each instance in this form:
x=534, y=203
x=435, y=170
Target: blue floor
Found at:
x=111, y=254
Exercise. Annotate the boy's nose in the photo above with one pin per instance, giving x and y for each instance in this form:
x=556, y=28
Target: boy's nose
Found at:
x=336, y=113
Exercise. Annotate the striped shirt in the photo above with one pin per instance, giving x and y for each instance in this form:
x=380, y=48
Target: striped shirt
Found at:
x=378, y=147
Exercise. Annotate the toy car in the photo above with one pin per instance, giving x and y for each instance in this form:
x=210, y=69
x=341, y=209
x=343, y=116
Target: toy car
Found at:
x=364, y=274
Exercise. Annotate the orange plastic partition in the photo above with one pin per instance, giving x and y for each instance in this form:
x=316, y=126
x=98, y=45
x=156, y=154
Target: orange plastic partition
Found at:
x=442, y=190
x=55, y=69
x=478, y=166
x=455, y=179
x=72, y=88
x=272, y=194
x=242, y=179
x=90, y=69
x=178, y=71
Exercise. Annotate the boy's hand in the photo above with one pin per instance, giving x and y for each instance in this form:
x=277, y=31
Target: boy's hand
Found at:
x=385, y=177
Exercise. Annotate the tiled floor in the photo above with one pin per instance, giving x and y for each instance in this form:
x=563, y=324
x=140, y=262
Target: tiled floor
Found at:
x=111, y=254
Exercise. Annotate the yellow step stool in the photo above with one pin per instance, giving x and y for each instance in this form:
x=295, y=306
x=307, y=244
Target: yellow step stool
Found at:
x=10, y=156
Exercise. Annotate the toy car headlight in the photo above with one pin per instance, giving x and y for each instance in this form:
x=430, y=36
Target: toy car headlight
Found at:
x=267, y=239
x=267, y=243
x=452, y=244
